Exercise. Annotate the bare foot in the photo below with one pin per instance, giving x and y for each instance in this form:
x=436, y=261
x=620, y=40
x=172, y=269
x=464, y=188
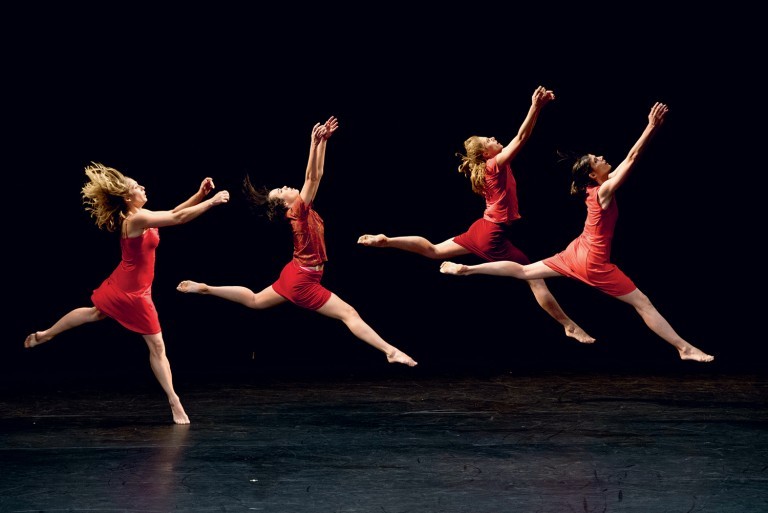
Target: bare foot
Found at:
x=695, y=354
x=378, y=241
x=579, y=334
x=33, y=339
x=398, y=356
x=451, y=268
x=192, y=287
x=179, y=415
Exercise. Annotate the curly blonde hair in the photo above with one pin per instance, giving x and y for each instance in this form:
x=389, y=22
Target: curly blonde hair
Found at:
x=104, y=195
x=473, y=163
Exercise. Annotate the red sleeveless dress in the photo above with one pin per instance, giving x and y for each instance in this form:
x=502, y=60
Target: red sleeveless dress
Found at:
x=126, y=295
x=588, y=257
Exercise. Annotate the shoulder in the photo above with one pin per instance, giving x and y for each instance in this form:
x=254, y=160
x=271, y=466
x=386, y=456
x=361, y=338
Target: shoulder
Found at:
x=298, y=208
x=492, y=166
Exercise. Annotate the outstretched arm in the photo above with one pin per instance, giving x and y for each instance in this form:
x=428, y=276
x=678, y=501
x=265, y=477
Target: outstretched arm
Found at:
x=179, y=215
x=311, y=175
x=330, y=127
x=541, y=97
x=619, y=175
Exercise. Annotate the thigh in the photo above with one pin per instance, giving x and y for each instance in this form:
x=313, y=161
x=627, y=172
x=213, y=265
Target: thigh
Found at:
x=449, y=249
x=635, y=298
x=539, y=270
x=267, y=298
x=335, y=307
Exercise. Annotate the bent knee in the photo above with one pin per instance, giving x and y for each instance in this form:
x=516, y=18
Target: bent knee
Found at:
x=643, y=301
x=349, y=312
x=345, y=312
x=155, y=344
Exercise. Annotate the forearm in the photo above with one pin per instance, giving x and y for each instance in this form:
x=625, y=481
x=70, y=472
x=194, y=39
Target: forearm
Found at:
x=642, y=142
x=187, y=213
x=320, y=159
x=193, y=200
x=528, y=123
x=311, y=173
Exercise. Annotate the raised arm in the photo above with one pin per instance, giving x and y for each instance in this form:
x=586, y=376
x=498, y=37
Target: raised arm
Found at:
x=619, y=175
x=311, y=177
x=330, y=127
x=541, y=97
x=315, y=162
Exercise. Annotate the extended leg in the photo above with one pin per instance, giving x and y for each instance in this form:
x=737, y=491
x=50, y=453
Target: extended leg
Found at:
x=339, y=309
x=265, y=299
x=659, y=325
x=414, y=244
x=76, y=317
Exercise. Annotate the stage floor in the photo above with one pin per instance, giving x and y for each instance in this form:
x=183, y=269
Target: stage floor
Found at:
x=512, y=442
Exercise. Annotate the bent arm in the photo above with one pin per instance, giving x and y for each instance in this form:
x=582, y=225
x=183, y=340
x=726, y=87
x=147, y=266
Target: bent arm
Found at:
x=205, y=187
x=541, y=97
x=619, y=175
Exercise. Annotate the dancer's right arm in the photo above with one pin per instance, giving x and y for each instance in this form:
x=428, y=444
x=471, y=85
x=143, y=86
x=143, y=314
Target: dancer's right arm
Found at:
x=540, y=97
x=312, y=176
x=619, y=175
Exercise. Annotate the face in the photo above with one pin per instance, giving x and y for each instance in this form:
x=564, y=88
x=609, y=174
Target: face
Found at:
x=600, y=168
x=137, y=197
x=285, y=193
x=492, y=147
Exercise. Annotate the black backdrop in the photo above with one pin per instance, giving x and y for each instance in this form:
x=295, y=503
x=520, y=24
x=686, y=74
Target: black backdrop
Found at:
x=171, y=97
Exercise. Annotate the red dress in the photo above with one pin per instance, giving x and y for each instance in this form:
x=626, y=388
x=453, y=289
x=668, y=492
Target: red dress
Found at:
x=490, y=236
x=588, y=257
x=126, y=295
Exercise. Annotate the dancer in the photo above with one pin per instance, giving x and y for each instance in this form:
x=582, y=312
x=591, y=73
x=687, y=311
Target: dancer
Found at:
x=117, y=202
x=488, y=165
x=299, y=281
x=587, y=258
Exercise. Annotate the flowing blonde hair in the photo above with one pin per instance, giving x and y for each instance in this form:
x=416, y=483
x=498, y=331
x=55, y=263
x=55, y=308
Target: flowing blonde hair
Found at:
x=104, y=195
x=473, y=163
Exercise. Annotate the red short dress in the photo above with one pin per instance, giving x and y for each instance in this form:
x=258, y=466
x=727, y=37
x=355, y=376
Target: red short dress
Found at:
x=126, y=295
x=587, y=258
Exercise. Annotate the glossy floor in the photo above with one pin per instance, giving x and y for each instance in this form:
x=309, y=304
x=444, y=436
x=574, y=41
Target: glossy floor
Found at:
x=501, y=443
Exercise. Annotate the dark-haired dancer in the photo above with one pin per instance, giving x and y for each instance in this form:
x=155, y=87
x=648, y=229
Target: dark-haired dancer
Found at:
x=299, y=281
x=117, y=202
x=587, y=258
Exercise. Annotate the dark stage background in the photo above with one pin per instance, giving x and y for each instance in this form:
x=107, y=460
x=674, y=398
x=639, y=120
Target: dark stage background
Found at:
x=172, y=97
